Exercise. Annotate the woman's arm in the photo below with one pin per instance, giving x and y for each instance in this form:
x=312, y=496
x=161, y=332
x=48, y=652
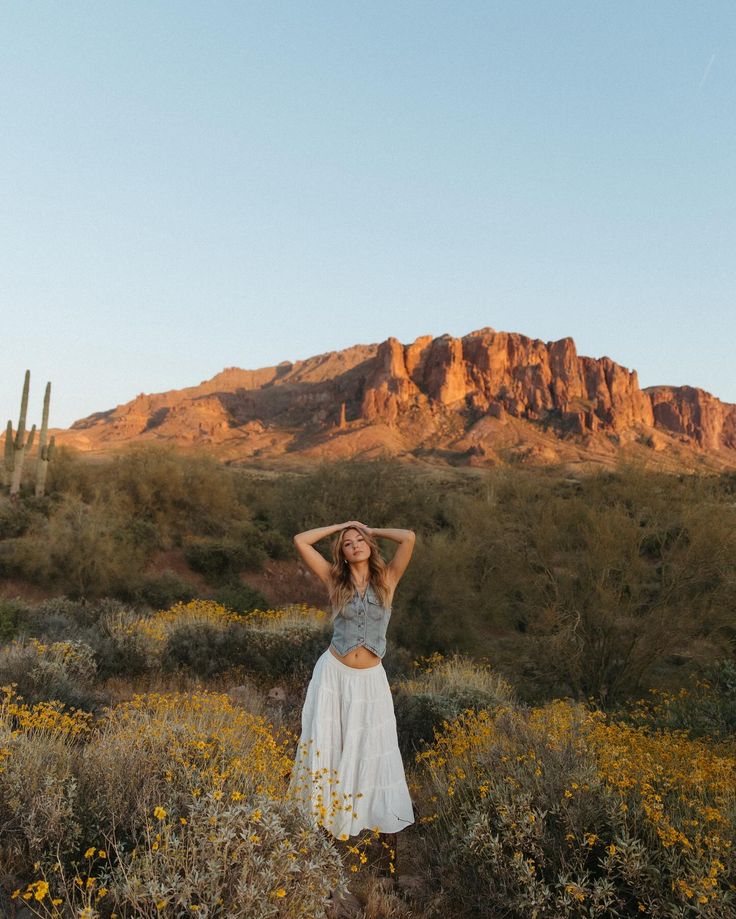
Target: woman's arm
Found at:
x=312, y=558
x=397, y=566
x=396, y=535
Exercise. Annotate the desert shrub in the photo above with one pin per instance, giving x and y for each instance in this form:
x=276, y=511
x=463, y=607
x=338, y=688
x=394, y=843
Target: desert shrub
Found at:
x=240, y=598
x=142, y=533
x=176, y=804
x=274, y=645
x=559, y=811
x=131, y=643
x=103, y=521
x=285, y=643
x=593, y=585
x=120, y=646
x=71, y=473
x=175, y=493
x=719, y=684
x=39, y=746
x=188, y=778
x=81, y=612
x=383, y=492
x=51, y=626
x=436, y=605
x=265, y=864
x=82, y=549
x=15, y=518
x=203, y=648
x=204, y=637
x=705, y=708
x=288, y=654
x=8, y=565
x=63, y=671
x=440, y=690
x=59, y=619
x=223, y=559
x=12, y=614
x=161, y=590
x=275, y=544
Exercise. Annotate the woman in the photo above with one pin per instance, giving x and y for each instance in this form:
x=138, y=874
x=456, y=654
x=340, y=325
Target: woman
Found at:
x=348, y=771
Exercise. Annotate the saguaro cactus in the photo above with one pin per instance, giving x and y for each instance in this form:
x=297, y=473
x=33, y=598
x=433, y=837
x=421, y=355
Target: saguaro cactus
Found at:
x=45, y=454
x=45, y=451
x=21, y=443
x=8, y=462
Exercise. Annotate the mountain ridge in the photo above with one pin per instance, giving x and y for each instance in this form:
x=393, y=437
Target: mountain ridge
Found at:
x=484, y=398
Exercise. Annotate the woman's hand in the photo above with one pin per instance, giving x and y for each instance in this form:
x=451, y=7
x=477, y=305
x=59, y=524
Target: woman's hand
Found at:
x=356, y=523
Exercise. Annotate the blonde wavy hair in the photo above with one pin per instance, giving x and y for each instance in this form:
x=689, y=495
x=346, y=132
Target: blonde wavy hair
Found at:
x=341, y=585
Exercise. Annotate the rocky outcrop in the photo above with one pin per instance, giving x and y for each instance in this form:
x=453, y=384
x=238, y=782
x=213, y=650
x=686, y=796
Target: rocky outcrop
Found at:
x=499, y=372
x=486, y=395
x=695, y=415
x=388, y=387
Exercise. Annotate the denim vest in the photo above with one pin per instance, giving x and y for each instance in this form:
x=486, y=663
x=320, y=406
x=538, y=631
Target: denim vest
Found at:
x=361, y=622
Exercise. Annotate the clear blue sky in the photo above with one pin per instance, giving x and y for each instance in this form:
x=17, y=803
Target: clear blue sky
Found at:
x=189, y=186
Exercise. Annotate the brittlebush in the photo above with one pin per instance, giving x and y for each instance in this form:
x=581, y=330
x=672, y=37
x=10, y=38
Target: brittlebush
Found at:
x=559, y=811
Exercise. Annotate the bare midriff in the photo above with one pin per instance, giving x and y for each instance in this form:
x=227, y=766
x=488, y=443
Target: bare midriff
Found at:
x=359, y=657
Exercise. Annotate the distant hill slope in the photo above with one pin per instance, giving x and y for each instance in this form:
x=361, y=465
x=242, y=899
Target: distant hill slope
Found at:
x=484, y=398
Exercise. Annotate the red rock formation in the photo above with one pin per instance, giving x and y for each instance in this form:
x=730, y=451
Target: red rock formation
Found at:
x=388, y=387
x=694, y=414
x=429, y=395
x=500, y=371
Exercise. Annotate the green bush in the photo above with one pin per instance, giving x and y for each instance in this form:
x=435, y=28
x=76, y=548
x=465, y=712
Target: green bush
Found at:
x=15, y=518
x=161, y=591
x=275, y=544
x=288, y=653
x=71, y=473
x=436, y=605
x=63, y=671
x=206, y=648
x=175, y=493
x=240, y=598
x=384, y=492
x=440, y=692
x=704, y=708
x=12, y=614
x=222, y=559
x=119, y=648
x=586, y=588
x=558, y=812
x=82, y=549
x=203, y=648
x=175, y=804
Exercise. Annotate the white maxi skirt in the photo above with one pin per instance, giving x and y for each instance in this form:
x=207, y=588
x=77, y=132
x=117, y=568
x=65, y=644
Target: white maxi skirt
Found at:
x=348, y=774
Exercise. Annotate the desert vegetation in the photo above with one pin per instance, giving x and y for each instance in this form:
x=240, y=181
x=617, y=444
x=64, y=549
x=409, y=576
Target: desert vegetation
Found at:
x=165, y=802
x=599, y=586
x=561, y=661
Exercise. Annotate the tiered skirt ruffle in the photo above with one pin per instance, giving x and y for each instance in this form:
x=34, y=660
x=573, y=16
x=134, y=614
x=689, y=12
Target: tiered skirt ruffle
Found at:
x=348, y=774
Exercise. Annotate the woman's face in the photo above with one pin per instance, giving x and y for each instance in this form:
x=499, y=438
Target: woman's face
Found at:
x=354, y=546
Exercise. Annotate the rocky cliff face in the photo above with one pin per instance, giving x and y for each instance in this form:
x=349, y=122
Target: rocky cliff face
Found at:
x=695, y=415
x=474, y=398
x=497, y=372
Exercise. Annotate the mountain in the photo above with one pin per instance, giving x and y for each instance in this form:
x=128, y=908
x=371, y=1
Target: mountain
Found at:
x=485, y=398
